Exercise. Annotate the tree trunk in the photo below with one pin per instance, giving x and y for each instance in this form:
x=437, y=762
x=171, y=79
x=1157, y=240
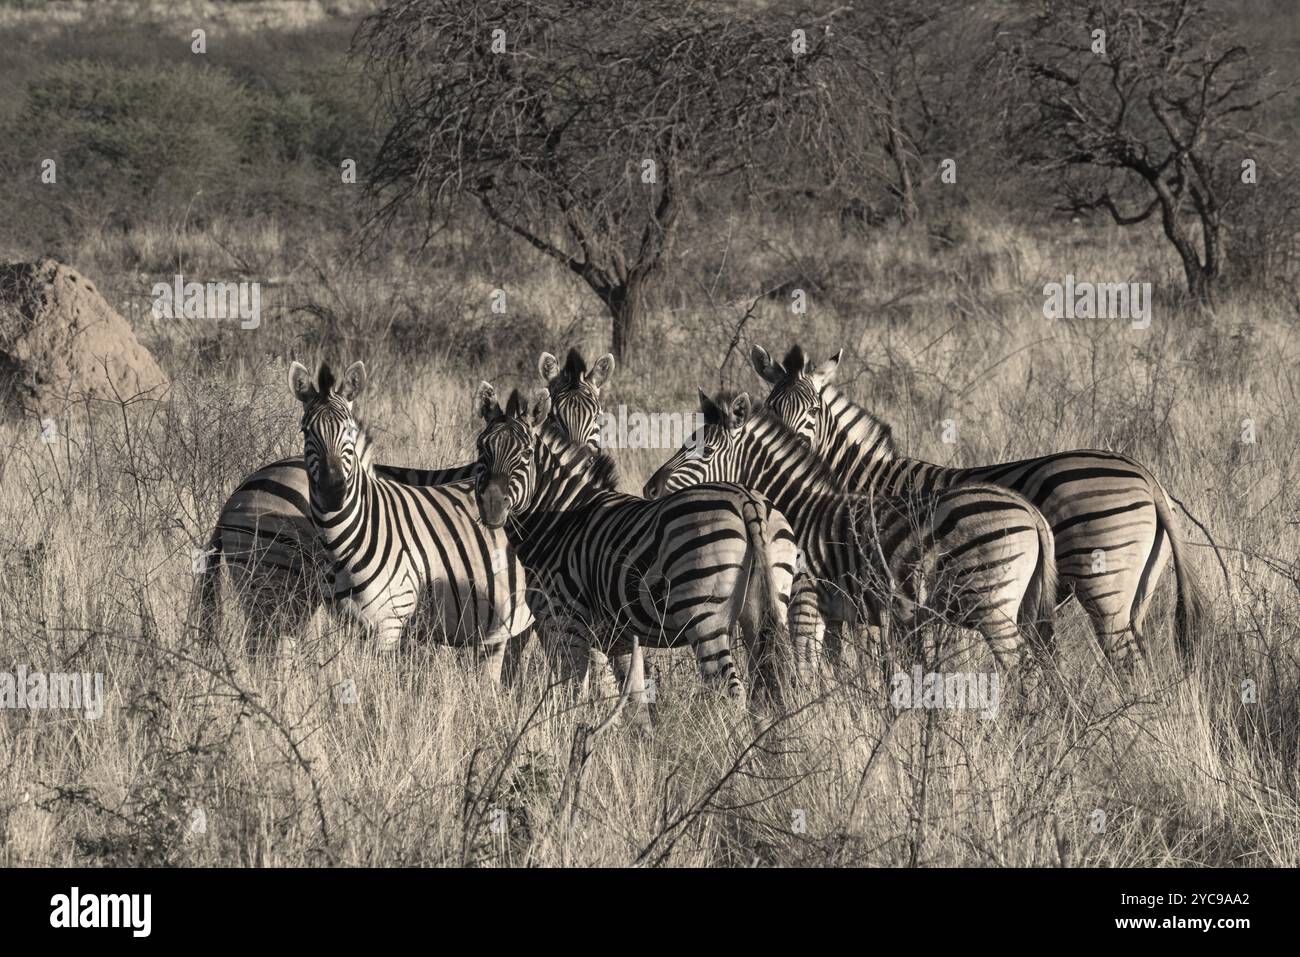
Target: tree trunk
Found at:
x=897, y=151
x=626, y=306
x=1199, y=278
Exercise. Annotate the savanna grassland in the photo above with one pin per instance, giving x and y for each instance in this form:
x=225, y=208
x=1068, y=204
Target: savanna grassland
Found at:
x=322, y=753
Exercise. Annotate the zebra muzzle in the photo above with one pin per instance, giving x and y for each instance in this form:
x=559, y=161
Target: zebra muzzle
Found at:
x=493, y=504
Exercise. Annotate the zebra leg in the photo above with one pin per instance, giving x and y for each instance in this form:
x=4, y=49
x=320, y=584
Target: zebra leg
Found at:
x=1144, y=593
x=806, y=627
x=717, y=665
x=1108, y=584
x=629, y=670
x=833, y=646
x=568, y=652
x=493, y=654
x=605, y=670
x=1115, y=633
x=512, y=658
x=1016, y=659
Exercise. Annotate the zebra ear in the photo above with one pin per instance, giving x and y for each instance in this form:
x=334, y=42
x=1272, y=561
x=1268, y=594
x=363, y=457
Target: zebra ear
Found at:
x=300, y=383
x=767, y=370
x=826, y=371
x=486, y=402
x=548, y=367
x=541, y=408
x=601, y=371
x=354, y=382
x=740, y=407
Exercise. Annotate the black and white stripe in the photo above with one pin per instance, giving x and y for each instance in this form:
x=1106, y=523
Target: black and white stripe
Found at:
x=979, y=557
x=266, y=542
x=613, y=567
x=1112, y=522
x=407, y=559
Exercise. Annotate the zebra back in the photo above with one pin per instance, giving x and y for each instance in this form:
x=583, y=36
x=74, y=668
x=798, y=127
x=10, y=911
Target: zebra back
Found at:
x=1113, y=524
x=974, y=556
x=685, y=568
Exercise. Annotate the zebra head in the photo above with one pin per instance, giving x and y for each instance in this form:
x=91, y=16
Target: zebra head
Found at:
x=575, y=394
x=711, y=454
x=507, y=466
x=796, y=396
x=331, y=435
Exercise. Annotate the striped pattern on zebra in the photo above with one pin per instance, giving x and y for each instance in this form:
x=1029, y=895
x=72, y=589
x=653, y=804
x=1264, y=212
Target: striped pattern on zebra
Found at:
x=407, y=559
x=979, y=556
x=614, y=567
x=575, y=394
x=264, y=534
x=265, y=538
x=1112, y=521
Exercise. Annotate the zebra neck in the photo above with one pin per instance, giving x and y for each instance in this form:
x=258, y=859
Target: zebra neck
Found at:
x=852, y=442
x=566, y=476
x=859, y=451
x=342, y=531
x=777, y=463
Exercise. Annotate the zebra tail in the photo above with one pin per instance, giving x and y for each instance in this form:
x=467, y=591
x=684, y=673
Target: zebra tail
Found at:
x=1189, y=613
x=207, y=621
x=773, y=619
x=1038, y=607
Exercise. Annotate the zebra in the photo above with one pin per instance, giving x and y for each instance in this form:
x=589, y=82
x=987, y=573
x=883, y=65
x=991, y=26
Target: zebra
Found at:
x=979, y=556
x=623, y=573
x=404, y=556
x=575, y=394
x=1112, y=521
x=264, y=535
x=266, y=541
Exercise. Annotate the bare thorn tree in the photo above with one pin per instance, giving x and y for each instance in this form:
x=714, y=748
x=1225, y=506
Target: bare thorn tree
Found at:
x=581, y=127
x=1141, y=109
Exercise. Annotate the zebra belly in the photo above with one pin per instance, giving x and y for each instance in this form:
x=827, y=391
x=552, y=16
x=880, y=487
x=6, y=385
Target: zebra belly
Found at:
x=449, y=610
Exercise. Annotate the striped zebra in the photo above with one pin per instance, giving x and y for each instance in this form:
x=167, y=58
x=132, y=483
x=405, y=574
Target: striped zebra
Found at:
x=575, y=394
x=264, y=535
x=1112, y=521
x=623, y=573
x=979, y=556
x=268, y=545
x=406, y=558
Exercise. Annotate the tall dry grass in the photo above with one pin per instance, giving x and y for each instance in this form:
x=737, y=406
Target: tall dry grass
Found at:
x=206, y=756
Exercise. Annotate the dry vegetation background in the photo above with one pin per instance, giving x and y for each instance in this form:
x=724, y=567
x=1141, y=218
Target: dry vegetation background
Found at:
x=209, y=757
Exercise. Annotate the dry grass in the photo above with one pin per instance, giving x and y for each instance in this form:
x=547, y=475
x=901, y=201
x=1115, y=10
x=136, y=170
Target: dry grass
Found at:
x=281, y=768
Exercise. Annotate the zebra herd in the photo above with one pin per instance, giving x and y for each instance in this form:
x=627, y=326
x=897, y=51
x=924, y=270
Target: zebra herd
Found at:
x=781, y=525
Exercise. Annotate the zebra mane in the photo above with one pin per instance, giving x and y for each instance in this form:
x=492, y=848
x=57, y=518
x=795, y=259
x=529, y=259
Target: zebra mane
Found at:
x=365, y=446
x=324, y=380
x=575, y=366
x=794, y=360
x=878, y=426
x=789, y=444
x=598, y=465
